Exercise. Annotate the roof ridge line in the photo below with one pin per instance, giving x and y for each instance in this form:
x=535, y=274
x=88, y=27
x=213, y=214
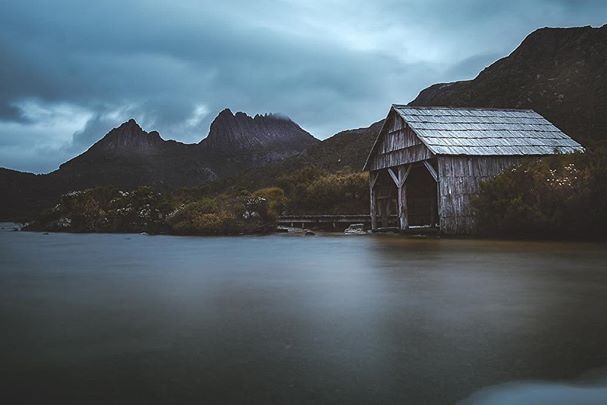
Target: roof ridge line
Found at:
x=461, y=108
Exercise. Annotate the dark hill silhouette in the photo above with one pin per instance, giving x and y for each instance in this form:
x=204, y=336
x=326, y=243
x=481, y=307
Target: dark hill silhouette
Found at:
x=559, y=72
x=128, y=157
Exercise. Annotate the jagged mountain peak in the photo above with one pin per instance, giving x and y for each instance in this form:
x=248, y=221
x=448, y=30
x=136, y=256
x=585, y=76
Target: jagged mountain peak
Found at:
x=131, y=123
x=127, y=139
x=239, y=131
x=131, y=128
x=226, y=112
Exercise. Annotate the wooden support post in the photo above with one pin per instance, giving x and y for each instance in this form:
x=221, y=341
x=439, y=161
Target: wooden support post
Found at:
x=373, y=199
x=434, y=174
x=438, y=199
x=403, y=216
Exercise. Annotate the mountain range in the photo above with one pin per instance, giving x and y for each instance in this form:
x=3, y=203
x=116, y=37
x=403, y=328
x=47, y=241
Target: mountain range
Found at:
x=559, y=72
x=128, y=157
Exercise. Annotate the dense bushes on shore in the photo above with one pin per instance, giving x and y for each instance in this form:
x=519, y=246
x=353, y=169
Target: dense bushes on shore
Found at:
x=561, y=196
x=225, y=215
x=313, y=191
x=198, y=211
x=107, y=209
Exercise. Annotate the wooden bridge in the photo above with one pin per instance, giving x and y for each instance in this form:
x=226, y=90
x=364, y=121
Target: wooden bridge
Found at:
x=329, y=221
x=323, y=220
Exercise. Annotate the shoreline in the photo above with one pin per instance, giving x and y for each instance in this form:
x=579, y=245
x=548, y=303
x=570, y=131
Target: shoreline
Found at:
x=7, y=226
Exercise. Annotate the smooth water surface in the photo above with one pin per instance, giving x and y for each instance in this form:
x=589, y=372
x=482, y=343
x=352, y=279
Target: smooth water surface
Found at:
x=134, y=319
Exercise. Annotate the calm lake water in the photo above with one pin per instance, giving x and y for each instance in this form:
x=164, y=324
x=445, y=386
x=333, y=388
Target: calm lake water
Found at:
x=131, y=319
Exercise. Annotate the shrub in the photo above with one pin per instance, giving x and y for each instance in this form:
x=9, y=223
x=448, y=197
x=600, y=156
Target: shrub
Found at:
x=276, y=200
x=336, y=193
x=558, y=196
x=199, y=217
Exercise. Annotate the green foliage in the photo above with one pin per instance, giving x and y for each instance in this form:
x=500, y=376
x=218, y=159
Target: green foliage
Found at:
x=199, y=211
x=185, y=195
x=107, y=209
x=276, y=200
x=202, y=217
x=291, y=180
x=561, y=196
x=184, y=212
x=330, y=193
x=224, y=214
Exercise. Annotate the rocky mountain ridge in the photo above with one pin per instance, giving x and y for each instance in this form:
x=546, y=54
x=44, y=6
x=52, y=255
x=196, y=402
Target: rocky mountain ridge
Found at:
x=239, y=132
x=128, y=157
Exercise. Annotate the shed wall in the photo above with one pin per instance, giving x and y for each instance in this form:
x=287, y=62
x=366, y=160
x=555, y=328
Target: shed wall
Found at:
x=398, y=146
x=459, y=179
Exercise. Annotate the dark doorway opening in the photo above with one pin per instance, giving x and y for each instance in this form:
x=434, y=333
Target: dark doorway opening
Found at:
x=387, y=203
x=422, y=201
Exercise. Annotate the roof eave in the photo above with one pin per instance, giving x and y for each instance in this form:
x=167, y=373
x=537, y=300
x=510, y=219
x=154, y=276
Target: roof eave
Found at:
x=366, y=166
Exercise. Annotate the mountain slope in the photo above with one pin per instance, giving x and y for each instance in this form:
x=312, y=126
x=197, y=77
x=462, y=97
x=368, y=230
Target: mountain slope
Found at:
x=346, y=150
x=559, y=72
x=230, y=133
x=23, y=193
x=129, y=157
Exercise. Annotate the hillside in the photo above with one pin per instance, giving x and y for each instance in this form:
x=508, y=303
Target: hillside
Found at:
x=128, y=157
x=559, y=72
x=346, y=150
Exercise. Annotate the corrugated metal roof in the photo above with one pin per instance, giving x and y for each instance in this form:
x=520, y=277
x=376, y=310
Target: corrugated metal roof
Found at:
x=488, y=132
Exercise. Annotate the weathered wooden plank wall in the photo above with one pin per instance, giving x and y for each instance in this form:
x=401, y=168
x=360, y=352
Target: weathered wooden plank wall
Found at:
x=398, y=146
x=459, y=179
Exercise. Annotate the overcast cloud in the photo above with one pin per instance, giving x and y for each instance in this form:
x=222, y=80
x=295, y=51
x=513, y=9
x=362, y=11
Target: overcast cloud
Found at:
x=71, y=70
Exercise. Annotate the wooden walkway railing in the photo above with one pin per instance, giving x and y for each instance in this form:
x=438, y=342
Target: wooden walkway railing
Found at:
x=342, y=221
x=334, y=220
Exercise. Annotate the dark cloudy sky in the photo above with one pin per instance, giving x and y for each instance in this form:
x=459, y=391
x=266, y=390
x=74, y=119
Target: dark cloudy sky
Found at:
x=70, y=70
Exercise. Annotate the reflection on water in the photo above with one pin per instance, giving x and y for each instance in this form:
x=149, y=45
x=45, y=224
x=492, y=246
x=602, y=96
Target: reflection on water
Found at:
x=156, y=319
x=585, y=391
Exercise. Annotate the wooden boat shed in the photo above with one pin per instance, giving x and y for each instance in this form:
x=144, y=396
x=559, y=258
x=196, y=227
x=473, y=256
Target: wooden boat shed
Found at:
x=427, y=162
